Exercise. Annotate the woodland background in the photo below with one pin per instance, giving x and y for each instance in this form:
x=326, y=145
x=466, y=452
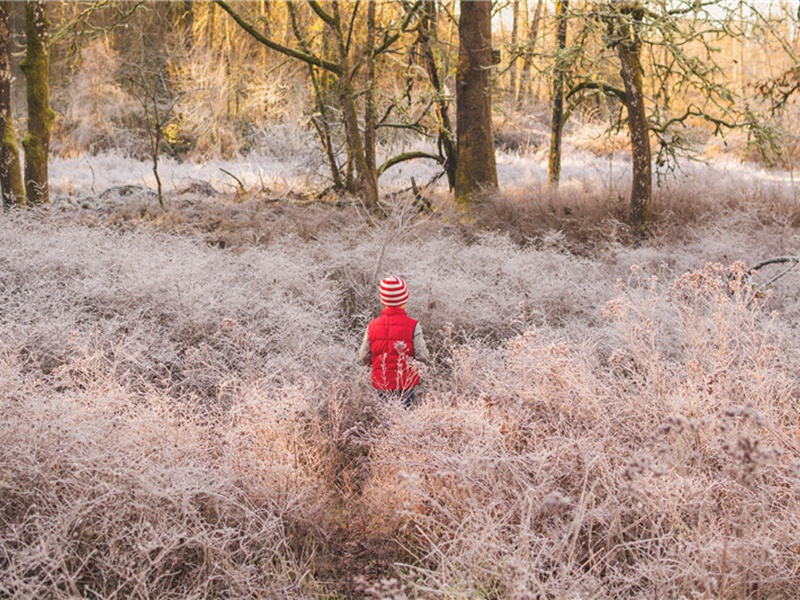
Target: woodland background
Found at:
x=603, y=262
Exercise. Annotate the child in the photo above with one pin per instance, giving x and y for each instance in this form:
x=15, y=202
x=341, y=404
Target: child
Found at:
x=390, y=344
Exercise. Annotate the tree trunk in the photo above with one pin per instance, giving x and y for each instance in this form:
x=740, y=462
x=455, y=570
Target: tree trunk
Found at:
x=370, y=118
x=559, y=74
x=526, y=85
x=444, y=127
x=476, y=169
x=155, y=156
x=512, y=67
x=629, y=51
x=36, y=67
x=11, y=185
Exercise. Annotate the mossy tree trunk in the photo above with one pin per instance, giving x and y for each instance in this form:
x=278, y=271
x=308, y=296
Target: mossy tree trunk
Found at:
x=11, y=186
x=36, y=68
x=476, y=169
x=559, y=75
x=627, y=38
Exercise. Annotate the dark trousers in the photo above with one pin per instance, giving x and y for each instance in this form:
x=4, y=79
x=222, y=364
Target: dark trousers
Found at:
x=406, y=396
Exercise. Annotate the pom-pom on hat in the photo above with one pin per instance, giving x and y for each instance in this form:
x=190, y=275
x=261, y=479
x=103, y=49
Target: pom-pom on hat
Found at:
x=394, y=291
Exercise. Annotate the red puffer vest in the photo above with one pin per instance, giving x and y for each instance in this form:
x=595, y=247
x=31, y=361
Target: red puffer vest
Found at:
x=391, y=341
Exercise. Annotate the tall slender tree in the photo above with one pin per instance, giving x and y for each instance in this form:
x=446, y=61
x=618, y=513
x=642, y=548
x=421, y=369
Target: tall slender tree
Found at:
x=11, y=186
x=36, y=67
x=476, y=169
x=559, y=74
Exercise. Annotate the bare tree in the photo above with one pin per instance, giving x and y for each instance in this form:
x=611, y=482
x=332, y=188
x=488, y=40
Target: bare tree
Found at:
x=526, y=83
x=606, y=58
x=150, y=87
x=559, y=75
x=427, y=41
x=344, y=67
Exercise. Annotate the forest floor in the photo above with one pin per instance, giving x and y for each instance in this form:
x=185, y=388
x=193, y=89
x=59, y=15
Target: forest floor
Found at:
x=183, y=415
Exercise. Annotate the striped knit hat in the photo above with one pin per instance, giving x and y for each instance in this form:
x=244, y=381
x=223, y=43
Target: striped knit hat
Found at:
x=394, y=291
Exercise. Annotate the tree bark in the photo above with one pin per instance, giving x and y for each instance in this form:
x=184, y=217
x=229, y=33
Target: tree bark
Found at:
x=629, y=48
x=13, y=191
x=559, y=74
x=36, y=68
x=476, y=169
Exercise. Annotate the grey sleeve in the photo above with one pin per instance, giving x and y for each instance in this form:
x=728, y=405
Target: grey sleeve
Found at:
x=420, y=347
x=364, y=352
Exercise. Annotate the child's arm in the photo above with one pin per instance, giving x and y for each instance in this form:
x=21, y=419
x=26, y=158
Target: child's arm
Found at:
x=420, y=347
x=365, y=352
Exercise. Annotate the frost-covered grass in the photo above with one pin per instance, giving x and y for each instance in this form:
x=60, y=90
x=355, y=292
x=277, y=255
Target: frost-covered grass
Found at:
x=179, y=419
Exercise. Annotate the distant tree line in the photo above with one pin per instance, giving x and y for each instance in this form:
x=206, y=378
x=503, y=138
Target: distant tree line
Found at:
x=366, y=72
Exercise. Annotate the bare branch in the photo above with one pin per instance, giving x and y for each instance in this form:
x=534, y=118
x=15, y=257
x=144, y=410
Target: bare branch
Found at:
x=329, y=19
x=258, y=36
x=600, y=86
x=406, y=156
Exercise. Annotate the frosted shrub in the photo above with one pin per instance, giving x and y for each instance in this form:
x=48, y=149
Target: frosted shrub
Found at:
x=106, y=492
x=668, y=471
x=98, y=110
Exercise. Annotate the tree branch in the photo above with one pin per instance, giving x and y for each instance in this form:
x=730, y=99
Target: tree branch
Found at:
x=600, y=86
x=692, y=111
x=321, y=13
x=389, y=40
x=406, y=156
x=776, y=261
x=259, y=37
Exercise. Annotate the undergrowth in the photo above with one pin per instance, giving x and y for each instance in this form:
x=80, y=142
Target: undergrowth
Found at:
x=183, y=420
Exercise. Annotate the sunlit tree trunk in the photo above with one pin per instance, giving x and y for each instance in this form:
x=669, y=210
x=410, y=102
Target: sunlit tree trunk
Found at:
x=11, y=185
x=476, y=169
x=36, y=67
x=559, y=74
